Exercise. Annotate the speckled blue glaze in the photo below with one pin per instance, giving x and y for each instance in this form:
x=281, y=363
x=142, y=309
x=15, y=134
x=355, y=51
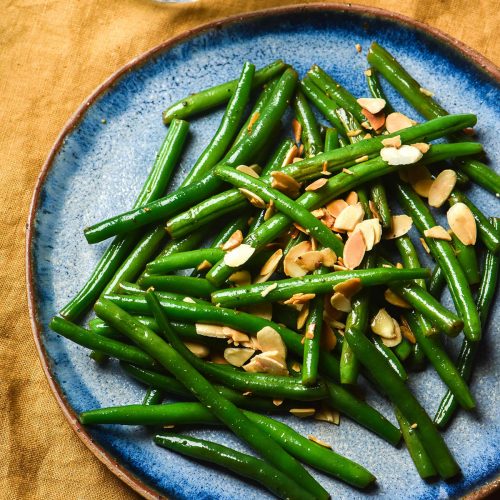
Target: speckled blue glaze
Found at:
x=99, y=171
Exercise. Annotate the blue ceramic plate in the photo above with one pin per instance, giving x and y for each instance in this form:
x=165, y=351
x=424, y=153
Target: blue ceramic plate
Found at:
x=102, y=158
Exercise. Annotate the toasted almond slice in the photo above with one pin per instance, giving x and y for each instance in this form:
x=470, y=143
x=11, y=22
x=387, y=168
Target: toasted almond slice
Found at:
x=405, y=155
x=354, y=133
x=352, y=198
x=296, y=367
x=277, y=402
x=253, y=198
x=208, y=330
x=303, y=412
x=373, y=210
x=383, y=324
x=424, y=244
x=354, y=250
x=269, y=289
x=270, y=340
x=299, y=298
x=235, y=335
x=270, y=211
x=393, y=342
x=392, y=142
x=367, y=136
x=358, y=160
x=234, y=240
x=218, y=360
x=375, y=121
x=397, y=121
x=349, y=287
x=361, y=159
x=420, y=179
x=239, y=255
x=252, y=121
x=442, y=187
x=423, y=147
x=462, y=223
x=372, y=104
x=349, y=218
x=299, y=158
x=188, y=300
x=263, y=310
x=199, y=350
x=328, y=338
x=261, y=363
x=237, y=356
x=340, y=302
x=358, y=48
x=291, y=154
x=395, y=299
x=248, y=170
x=291, y=266
x=316, y=440
x=204, y=265
x=285, y=183
x=368, y=72
x=302, y=317
x=241, y=278
x=406, y=331
x=401, y=224
x=426, y=92
x=437, y=233
x=371, y=231
x=317, y=184
x=310, y=261
x=335, y=207
x=297, y=130
x=319, y=213
x=270, y=266
x=326, y=414
x=329, y=257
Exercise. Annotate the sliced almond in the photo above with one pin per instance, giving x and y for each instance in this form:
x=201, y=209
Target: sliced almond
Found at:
x=199, y=350
x=397, y=121
x=349, y=218
x=208, y=330
x=326, y=414
x=392, y=142
x=291, y=154
x=354, y=250
x=303, y=412
x=372, y=104
x=424, y=244
x=253, y=198
x=420, y=179
x=375, y=121
x=189, y=300
x=299, y=298
x=204, y=265
x=302, y=317
x=462, y=223
x=349, y=287
x=340, y=302
x=270, y=211
x=383, y=324
x=335, y=207
x=238, y=356
x=371, y=231
x=423, y=147
x=442, y=187
x=396, y=340
x=291, y=265
x=357, y=160
x=266, y=291
x=329, y=257
x=262, y=363
x=296, y=367
x=406, y=331
x=235, y=335
x=241, y=278
x=248, y=170
x=285, y=183
x=239, y=255
x=252, y=121
x=263, y=310
x=405, y=155
x=317, y=184
x=395, y=299
x=437, y=233
x=270, y=340
x=352, y=198
x=401, y=224
x=426, y=92
x=297, y=130
x=234, y=240
x=316, y=440
x=373, y=210
x=368, y=72
x=310, y=261
x=299, y=158
x=328, y=337
x=270, y=266
x=218, y=360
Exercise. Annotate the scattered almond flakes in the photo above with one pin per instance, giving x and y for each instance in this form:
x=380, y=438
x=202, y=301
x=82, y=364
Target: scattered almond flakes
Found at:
x=372, y=104
x=291, y=266
x=352, y=198
x=285, y=183
x=297, y=130
x=392, y=142
x=303, y=412
x=314, y=439
x=349, y=217
x=234, y=240
x=264, y=363
x=310, y=261
x=270, y=266
x=300, y=298
x=209, y=330
x=367, y=136
x=199, y=350
x=328, y=338
x=368, y=72
x=296, y=366
x=239, y=255
x=253, y=198
x=395, y=299
x=340, y=302
x=401, y=224
x=263, y=310
x=358, y=48
x=371, y=231
x=247, y=170
x=326, y=414
x=292, y=153
x=299, y=154
x=437, y=233
x=354, y=133
x=299, y=158
x=414, y=426
x=406, y=331
x=442, y=187
x=423, y=147
x=241, y=278
x=404, y=155
x=189, y=300
x=237, y=356
x=268, y=289
x=277, y=402
x=373, y=121
x=329, y=257
x=349, y=287
x=302, y=317
x=397, y=121
x=235, y=335
x=270, y=341
x=424, y=244
x=317, y=184
x=347, y=171
x=373, y=210
x=247, y=393
x=204, y=265
x=335, y=207
x=354, y=250
x=361, y=159
x=396, y=340
x=383, y=324
x=420, y=179
x=462, y=223
x=426, y=92
x=252, y=121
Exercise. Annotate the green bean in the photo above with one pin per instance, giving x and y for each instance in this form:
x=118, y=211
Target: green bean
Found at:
x=467, y=258
x=153, y=188
x=465, y=361
x=443, y=365
x=462, y=179
x=252, y=294
x=209, y=184
x=240, y=463
x=428, y=107
x=110, y=347
x=187, y=285
x=336, y=92
x=129, y=288
x=184, y=260
x=408, y=254
x=331, y=139
x=403, y=350
x=350, y=125
x=486, y=231
x=437, y=281
x=404, y=400
x=417, y=360
x=379, y=197
x=376, y=91
x=336, y=186
x=239, y=223
x=311, y=137
x=152, y=397
x=417, y=452
x=325, y=105
x=443, y=253
x=284, y=204
x=363, y=199
x=220, y=94
x=312, y=337
x=390, y=357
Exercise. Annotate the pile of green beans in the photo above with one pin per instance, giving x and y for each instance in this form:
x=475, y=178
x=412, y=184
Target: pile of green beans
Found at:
x=231, y=340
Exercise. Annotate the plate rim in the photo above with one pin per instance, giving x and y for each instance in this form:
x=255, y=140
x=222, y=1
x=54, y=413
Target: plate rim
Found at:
x=128, y=477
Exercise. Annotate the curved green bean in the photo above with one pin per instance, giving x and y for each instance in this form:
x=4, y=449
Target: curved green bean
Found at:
x=467, y=258
x=390, y=357
x=311, y=137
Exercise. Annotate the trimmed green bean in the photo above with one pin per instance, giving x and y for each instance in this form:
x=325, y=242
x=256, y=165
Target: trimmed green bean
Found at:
x=467, y=258
x=437, y=281
x=184, y=260
x=331, y=139
x=390, y=357
x=378, y=195
x=152, y=397
x=311, y=137
x=481, y=174
x=376, y=90
x=187, y=285
x=408, y=254
x=403, y=349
